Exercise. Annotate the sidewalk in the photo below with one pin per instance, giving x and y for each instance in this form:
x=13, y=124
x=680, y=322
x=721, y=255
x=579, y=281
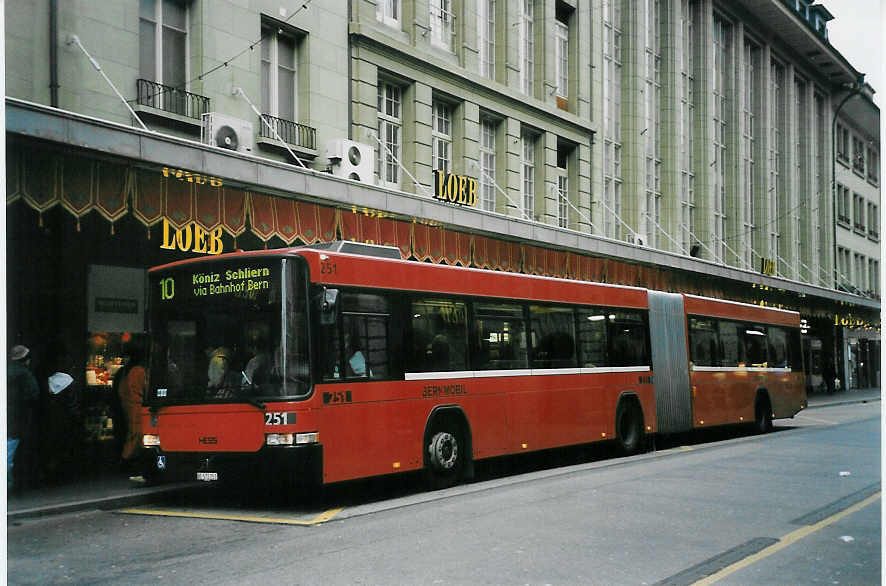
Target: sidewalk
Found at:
x=116, y=490
x=843, y=398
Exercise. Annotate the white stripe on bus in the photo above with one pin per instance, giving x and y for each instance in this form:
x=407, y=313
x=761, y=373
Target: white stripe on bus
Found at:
x=739, y=369
x=523, y=372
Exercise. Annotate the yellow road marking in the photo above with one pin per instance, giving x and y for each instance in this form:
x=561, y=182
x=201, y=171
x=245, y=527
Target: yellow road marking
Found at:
x=786, y=541
x=321, y=518
x=686, y=448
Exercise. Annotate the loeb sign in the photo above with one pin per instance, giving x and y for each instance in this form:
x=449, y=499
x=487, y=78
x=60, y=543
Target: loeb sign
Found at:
x=454, y=188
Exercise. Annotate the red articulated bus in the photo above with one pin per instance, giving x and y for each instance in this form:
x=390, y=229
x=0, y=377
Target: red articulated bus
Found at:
x=335, y=362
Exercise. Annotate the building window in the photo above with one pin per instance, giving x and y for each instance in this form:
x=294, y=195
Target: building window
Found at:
x=528, y=174
x=844, y=268
x=612, y=70
x=441, y=133
x=389, y=133
x=163, y=42
x=858, y=211
x=563, y=199
x=873, y=166
x=874, y=277
x=278, y=72
x=487, y=164
x=388, y=12
x=873, y=221
x=563, y=205
x=442, y=21
x=486, y=41
x=687, y=117
x=561, y=51
x=749, y=144
x=820, y=215
x=843, y=205
x=858, y=155
x=777, y=102
x=527, y=47
x=842, y=143
x=720, y=65
x=861, y=273
x=652, y=131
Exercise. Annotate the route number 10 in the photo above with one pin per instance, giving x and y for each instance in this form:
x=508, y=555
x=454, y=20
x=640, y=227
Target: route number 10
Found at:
x=167, y=288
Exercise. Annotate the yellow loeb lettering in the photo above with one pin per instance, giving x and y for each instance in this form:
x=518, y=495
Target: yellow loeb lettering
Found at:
x=451, y=187
x=168, y=243
x=193, y=238
x=199, y=239
x=440, y=184
x=215, y=243
x=183, y=238
x=472, y=192
x=462, y=181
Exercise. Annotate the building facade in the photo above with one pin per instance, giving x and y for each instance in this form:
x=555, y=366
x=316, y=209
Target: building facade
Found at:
x=684, y=145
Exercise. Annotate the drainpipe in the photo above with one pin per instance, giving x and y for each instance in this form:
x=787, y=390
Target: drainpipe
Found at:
x=53, y=53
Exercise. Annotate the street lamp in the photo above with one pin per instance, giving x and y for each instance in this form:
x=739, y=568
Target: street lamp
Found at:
x=854, y=88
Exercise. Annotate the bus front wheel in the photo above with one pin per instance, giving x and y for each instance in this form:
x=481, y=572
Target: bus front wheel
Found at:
x=445, y=456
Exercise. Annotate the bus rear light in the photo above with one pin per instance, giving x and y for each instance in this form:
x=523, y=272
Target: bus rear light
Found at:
x=150, y=440
x=279, y=439
x=312, y=437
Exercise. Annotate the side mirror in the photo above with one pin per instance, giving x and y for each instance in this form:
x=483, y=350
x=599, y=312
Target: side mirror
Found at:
x=328, y=303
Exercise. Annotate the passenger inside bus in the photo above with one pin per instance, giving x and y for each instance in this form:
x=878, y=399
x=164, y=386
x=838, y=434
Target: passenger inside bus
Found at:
x=220, y=375
x=356, y=363
x=258, y=366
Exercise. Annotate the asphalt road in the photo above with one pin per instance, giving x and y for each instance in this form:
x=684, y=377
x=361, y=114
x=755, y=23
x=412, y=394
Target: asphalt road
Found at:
x=798, y=506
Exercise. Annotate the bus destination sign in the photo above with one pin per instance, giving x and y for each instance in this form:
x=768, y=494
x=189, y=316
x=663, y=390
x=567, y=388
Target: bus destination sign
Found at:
x=241, y=281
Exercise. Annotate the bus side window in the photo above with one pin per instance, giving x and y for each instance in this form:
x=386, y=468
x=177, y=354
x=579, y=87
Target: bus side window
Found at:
x=553, y=337
x=778, y=347
x=730, y=343
x=591, y=337
x=704, y=345
x=439, y=336
x=628, y=337
x=795, y=350
x=365, y=335
x=754, y=344
x=500, y=334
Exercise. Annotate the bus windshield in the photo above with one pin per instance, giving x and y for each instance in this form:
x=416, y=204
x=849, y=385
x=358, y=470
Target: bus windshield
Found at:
x=228, y=331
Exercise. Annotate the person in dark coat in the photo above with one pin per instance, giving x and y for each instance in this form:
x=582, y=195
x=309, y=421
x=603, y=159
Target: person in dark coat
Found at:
x=22, y=397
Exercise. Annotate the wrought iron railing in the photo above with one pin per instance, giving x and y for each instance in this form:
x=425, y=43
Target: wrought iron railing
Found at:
x=172, y=100
x=290, y=132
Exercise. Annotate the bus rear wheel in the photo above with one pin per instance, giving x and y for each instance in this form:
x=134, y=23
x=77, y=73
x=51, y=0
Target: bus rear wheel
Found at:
x=762, y=416
x=445, y=456
x=629, y=428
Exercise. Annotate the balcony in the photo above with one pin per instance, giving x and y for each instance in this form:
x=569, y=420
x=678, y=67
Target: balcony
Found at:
x=299, y=137
x=162, y=100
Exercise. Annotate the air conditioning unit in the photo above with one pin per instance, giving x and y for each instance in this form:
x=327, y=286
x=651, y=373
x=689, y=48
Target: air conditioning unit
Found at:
x=352, y=160
x=227, y=132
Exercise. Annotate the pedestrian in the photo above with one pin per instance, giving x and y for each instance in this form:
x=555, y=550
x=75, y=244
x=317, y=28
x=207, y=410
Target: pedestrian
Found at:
x=22, y=397
x=63, y=429
x=131, y=392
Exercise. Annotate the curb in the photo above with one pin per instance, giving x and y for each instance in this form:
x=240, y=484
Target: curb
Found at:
x=114, y=501
x=844, y=402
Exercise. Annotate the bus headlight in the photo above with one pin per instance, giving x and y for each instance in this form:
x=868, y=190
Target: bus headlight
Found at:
x=307, y=438
x=278, y=439
x=150, y=440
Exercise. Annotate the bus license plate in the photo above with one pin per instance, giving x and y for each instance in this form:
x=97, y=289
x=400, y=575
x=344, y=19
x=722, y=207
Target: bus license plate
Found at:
x=207, y=476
